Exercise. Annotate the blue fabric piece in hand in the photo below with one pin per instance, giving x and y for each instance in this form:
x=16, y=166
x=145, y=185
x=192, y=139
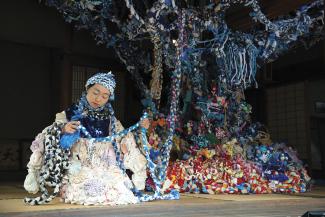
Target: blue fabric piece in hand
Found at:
x=67, y=140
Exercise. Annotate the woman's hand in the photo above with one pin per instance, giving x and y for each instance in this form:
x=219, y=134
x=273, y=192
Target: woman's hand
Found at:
x=71, y=127
x=145, y=123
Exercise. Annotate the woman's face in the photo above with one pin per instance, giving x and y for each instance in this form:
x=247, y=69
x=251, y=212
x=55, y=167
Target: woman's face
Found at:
x=97, y=96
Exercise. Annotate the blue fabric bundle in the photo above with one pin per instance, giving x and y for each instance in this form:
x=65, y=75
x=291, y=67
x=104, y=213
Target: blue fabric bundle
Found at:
x=67, y=140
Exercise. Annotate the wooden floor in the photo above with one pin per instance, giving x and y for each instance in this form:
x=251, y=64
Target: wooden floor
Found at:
x=190, y=205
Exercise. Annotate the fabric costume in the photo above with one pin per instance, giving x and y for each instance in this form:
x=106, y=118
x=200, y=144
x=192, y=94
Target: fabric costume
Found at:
x=88, y=172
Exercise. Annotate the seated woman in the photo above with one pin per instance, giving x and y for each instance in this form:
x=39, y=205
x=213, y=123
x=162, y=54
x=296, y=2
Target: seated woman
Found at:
x=86, y=171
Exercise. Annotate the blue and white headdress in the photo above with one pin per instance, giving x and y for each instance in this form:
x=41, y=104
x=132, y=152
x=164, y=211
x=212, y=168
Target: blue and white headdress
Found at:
x=105, y=79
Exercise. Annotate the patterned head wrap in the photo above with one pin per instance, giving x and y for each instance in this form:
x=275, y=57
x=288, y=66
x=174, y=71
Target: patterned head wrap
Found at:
x=105, y=79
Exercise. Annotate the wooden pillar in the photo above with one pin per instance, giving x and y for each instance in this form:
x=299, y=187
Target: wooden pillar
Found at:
x=307, y=115
x=322, y=122
x=61, y=75
x=323, y=68
x=65, y=73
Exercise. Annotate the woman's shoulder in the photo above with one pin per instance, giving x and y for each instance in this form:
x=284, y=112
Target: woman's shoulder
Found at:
x=61, y=117
x=66, y=114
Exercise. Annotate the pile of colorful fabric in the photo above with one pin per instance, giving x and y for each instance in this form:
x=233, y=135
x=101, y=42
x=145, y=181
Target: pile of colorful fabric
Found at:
x=235, y=169
x=219, y=150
